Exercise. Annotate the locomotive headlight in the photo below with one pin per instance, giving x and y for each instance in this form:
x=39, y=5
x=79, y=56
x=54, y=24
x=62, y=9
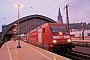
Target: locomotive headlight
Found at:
x=69, y=40
x=60, y=33
x=54, y=41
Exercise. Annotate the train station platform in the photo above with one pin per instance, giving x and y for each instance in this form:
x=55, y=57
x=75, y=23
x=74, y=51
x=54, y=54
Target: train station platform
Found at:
x=9, y=51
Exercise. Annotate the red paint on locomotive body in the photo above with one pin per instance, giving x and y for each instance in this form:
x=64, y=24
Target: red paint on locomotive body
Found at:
x=50, y=35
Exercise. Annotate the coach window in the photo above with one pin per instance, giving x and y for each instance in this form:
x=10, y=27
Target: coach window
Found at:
x=88, y=34
x=72, y=35
x=43, y=30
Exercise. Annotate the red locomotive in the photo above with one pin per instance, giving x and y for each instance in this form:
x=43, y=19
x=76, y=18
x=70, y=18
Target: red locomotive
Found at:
x=51, y=36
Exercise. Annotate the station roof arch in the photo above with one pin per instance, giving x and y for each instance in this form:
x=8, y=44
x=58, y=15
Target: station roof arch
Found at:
x=35, y=20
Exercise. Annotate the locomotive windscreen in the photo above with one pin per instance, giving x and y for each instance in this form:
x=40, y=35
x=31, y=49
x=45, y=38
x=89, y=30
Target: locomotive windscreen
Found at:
x=58, y=28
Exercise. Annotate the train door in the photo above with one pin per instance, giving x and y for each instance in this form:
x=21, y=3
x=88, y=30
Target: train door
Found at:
x=40, y=35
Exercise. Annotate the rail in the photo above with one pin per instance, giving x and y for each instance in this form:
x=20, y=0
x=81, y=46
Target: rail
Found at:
x=74, y=55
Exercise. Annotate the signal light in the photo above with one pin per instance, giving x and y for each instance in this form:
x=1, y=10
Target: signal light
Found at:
x=54, y=41
x=69, y=40
x=60, y=33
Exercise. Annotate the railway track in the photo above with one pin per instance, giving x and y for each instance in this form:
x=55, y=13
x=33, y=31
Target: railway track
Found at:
x=76, y=55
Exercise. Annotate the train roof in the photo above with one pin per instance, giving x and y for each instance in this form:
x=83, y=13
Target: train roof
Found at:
x=62, y=24
x=54, y=24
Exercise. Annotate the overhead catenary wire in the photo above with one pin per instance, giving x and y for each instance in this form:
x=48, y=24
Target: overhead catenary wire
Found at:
x=79, y=4
x=57, y=7
x=73, y=8
x=50, y=5
x=84, y=12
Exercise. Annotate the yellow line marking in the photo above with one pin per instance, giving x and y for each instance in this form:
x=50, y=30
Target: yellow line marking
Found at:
x=54, y=58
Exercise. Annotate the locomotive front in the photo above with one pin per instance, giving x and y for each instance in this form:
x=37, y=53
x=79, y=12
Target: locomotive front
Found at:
x=61, y=38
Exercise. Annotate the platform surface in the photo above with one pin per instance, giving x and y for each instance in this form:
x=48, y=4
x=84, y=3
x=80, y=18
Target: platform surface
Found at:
x=9, y=51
